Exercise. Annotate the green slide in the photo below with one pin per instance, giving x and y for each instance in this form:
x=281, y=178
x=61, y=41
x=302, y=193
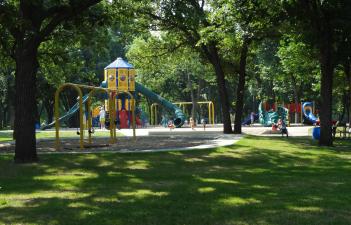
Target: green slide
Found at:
x=68, y=115
x=179, y=115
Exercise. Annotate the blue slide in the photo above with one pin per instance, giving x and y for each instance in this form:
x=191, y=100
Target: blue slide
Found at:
x=68, y=115
x=307, y=111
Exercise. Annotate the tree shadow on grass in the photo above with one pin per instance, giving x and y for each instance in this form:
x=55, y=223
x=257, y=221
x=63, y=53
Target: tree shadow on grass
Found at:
x=242, y=184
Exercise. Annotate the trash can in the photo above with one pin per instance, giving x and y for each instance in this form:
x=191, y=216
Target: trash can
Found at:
x=316, y=133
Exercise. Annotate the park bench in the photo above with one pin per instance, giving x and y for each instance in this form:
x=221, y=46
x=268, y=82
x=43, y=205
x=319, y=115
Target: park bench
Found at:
x=345, y=131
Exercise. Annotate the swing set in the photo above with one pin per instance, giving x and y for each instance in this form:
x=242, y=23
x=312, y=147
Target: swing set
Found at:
x=112, y=95
x=182, y=105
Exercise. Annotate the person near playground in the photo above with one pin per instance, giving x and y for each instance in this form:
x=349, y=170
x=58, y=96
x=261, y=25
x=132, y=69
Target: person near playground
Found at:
x=203, y=122
x=252, y=118
x=170, y=125
x=282, y=127
x=275, y=126
x=102, y=115
x=192, y=123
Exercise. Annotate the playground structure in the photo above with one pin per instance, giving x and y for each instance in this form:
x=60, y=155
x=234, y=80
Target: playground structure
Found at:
x=307, y=111
x=120, y=93
x=111, y=93
x=209, y=104
x=270, y=117
x=247, y=120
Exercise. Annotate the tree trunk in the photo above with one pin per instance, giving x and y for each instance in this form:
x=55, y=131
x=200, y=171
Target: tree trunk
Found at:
x=327, y=70
x=201, y=114
x=222, y=89
x=49, y=108
x=241, y=87
x=193, y=99
x=72, y=99
x=1, y=117
x=25, y=102
x=296, y=97
x=347, y=71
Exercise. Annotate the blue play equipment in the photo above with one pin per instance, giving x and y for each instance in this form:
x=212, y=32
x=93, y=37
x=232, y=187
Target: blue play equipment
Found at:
x=268, y=118
x=309, y=117
x=316, y=133
x=247, y=120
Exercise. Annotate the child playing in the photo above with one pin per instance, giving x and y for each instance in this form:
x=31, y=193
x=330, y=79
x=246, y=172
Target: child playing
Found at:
x=282, y=127
x=192, y=123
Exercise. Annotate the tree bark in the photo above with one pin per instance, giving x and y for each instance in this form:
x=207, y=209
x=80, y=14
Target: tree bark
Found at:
x=193, y=99
x=240, y=92
x=327, y=70
x=25, y=102
x=347, y=71
x=1, y=117
x=296, y=97
x=49, y=108
x=222, y=89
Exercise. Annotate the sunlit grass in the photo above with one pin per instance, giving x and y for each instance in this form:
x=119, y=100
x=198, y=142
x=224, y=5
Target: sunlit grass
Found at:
x=260, y=180
x=7, y=135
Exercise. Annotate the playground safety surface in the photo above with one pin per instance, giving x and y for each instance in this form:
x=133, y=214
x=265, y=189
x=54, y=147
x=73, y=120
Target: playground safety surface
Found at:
x=128, y=144
x=155, y=139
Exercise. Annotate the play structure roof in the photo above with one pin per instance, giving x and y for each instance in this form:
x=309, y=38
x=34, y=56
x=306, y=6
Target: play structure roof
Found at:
x=119, y=63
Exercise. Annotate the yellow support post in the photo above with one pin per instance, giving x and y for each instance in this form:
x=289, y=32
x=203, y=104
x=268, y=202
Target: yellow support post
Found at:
x=154, y=114
x=94, y=89
x=213, y=122
x=133, y=118
x=209, y=113
x=56, y=114
x=156, y=109
x=89, y=118
x=111, y=109
x=114, y=119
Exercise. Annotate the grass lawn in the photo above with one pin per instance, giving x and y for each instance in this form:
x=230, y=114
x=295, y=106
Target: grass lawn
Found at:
x=259, y=180
x=7, y=135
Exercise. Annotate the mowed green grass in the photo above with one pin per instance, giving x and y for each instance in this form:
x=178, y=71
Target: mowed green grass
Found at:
x=7, y=135
x=259, y=180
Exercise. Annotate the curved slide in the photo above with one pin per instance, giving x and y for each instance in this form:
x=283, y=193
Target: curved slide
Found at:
x=179, y=115
x=308, y=113
x=68, y=115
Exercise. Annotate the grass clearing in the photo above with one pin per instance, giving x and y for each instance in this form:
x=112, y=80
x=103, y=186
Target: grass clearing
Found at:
x=7, y=135
x=260, y=180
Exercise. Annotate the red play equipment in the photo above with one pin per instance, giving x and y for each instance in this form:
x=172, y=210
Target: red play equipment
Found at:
x=123, y=118
x=137, y=121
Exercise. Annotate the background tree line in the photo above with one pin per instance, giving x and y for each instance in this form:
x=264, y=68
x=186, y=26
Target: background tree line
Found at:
x=233, y=52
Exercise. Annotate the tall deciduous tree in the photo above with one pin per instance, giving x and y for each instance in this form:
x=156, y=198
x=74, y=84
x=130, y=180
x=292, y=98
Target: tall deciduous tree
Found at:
x=247, y=21
x=322, y=23
x=25, y=25
x=189, y=20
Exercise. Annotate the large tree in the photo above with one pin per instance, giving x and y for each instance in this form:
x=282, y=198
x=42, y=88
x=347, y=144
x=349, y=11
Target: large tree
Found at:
x=24, y=26
x=242, y=23
x=191, y=22
x=322, y=23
